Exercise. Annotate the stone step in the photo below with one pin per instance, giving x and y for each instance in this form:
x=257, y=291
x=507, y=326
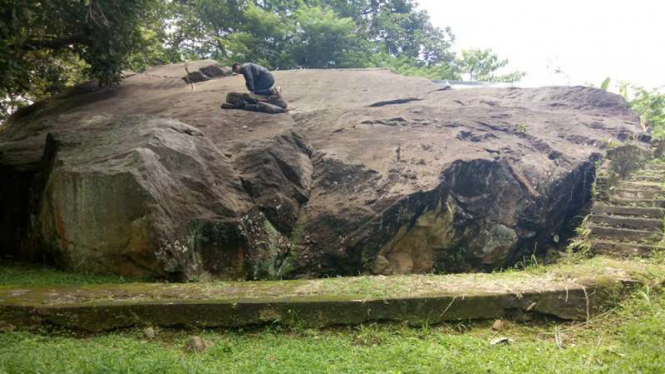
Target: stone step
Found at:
x=655, y=166
x=650, y=203
x=624, y=235
x=646, y=224
x=646, y=178
x=625, y=193
x=574, y=292
x=642, y=186
x=628, y=211
x=643, y=173
x=618, y=249
x=657, y=178
x=652, y=168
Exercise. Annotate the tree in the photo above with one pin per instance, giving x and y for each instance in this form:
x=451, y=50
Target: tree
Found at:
x=481, y=65
x=409, y=67
x=200, y=28
x=650, y=105
x=46, y=45
x=401, y=31
x=307, y=33
x=324, y=40
x=264, y=37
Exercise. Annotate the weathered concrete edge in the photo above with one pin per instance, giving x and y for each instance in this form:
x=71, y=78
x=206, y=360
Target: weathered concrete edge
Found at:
x=575, y=303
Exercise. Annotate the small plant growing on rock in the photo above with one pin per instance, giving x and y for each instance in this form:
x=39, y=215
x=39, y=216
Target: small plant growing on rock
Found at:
x=581, y=243
x=609, y=143
x=527, y=263
x=294, y=322
x=521, y=128
x=531, y=262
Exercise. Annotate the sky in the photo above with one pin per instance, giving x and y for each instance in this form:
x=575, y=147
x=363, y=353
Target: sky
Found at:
x=587, y=40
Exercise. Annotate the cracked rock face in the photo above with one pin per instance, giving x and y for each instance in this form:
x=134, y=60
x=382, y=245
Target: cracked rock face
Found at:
x=128, y=196
x=370, y=172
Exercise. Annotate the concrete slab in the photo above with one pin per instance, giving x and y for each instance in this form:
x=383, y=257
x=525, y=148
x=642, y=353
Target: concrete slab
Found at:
x=573, y=292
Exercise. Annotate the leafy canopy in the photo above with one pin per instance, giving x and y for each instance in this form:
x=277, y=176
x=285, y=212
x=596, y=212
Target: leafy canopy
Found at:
x=650, y=105
x=47, y=45
x=481, y=65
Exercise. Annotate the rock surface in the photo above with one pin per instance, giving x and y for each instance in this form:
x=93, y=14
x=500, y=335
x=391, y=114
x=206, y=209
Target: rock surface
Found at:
x=149, y=333
x=191, y=72
x=370, y=172
x=195, y=345
x=136, y=194
x=497, y=325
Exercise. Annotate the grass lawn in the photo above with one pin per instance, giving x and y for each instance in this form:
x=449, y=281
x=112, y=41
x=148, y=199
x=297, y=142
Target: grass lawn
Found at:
x=627, y=339
x=18, y=274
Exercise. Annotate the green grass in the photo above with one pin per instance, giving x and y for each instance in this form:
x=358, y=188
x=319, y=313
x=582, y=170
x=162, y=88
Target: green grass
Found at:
x=32, y=275
x=625, y=340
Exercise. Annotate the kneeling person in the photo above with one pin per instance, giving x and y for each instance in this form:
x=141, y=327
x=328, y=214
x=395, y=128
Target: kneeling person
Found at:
x=258, y=79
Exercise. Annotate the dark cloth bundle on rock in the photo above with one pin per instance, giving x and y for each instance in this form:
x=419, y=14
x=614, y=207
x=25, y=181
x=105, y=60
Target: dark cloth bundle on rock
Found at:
x=255, y=103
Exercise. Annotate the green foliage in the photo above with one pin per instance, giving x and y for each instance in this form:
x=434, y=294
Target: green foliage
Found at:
x=529, y=263
x=323, y=39
x=409, y=67
x=581, y=243
x=402, y=31
x=46, y=46
x=521, y=128
x=481, y=65
x=623, y=90
x=285, y=34
x=263, y=37
x=650, y=105
x=610, y=143
x=606, y=84
x=148, y=51
x=199, y=27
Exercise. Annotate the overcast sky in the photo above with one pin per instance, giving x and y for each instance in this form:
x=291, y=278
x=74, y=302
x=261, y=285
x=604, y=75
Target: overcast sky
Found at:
x=589, y=40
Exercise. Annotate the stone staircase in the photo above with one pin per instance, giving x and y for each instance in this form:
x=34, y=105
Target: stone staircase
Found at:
x=628, y=221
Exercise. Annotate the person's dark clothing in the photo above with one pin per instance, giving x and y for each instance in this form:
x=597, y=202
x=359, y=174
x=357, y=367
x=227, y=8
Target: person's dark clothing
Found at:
x=258, y=79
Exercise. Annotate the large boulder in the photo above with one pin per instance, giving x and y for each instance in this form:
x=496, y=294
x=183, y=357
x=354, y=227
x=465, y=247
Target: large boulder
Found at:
x=370, y=172
x=146, y=196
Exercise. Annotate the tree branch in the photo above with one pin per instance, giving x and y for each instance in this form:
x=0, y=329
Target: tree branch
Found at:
x=54, y=44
